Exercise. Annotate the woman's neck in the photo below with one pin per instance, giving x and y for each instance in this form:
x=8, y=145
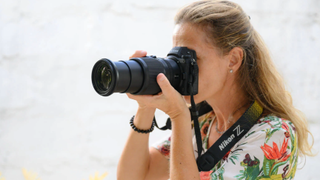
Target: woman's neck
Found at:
x=229, y=106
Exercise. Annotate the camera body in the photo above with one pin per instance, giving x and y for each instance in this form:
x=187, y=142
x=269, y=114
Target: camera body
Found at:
x=138, y=75
x=189, y=71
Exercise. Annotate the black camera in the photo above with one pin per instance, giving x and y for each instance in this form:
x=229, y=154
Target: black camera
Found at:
x=138, y=75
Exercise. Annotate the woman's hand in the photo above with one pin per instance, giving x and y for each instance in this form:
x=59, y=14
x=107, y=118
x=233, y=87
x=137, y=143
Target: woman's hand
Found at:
x=169, y=100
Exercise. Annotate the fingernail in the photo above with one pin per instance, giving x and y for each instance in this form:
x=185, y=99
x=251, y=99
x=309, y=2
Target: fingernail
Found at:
x=143, y=52
x=161, y=77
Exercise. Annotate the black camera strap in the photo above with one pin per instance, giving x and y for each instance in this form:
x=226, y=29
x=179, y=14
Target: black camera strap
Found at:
x=196, y=126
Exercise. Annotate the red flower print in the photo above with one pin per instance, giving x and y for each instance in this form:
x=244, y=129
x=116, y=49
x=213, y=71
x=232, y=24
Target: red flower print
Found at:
x=286, y=127
x=287, y=134
x=204, y=130
x=165, y=150
x=275, y=153
x=263, y=121
x=205, y=175
x=226, y=156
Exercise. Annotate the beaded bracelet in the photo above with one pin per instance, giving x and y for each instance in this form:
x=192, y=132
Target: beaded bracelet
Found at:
x=140, y=130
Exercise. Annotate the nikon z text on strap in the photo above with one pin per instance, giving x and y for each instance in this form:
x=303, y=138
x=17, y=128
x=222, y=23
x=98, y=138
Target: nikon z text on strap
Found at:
x=220, y=148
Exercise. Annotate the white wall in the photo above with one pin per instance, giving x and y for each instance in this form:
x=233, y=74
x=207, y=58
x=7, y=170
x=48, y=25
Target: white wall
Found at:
x=51, y=120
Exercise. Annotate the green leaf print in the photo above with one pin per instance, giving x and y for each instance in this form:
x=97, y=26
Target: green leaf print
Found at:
x=273, y=177
x=274, y=169
x=251, y=168
x=249, y=134
x=214, y=176
x=253, y=172
x=241, y=176
x=267, y=165
x=269, y=133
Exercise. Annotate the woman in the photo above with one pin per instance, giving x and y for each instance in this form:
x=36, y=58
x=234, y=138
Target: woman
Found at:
x=234, y=70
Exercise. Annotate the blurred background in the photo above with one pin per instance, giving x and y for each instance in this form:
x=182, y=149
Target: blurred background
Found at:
x=54, y=124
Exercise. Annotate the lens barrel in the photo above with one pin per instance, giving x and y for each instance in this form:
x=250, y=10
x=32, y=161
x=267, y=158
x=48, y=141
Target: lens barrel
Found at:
x=135, y=76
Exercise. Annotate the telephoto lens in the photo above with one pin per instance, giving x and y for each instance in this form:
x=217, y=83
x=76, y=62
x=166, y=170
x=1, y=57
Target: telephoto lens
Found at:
x=138, y=75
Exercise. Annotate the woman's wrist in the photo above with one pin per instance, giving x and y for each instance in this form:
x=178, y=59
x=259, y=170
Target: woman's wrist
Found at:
x=146, y=109
x=144, y=118
x=143, y=131
x=181, y=115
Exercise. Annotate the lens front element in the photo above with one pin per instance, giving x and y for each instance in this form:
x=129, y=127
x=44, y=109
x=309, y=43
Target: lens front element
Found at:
x=103, y=77
x=106, y=78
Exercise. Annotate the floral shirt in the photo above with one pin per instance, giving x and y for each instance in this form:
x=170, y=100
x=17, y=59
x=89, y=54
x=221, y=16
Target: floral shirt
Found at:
x=267, y=151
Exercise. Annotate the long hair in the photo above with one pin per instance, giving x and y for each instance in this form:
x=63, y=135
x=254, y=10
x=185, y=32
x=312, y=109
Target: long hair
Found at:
x=227, y=26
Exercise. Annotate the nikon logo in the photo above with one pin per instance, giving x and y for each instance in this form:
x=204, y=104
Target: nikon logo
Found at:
x=226, y=142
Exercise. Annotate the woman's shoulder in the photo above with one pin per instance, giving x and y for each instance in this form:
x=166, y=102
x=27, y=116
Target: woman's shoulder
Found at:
x=269, y=127
x=273, y=119
x=272, y=123
x=270, y=132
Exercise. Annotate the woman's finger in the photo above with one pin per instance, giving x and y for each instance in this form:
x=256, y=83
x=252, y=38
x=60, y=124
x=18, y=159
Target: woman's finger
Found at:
x=138, y=53
x=164, y=84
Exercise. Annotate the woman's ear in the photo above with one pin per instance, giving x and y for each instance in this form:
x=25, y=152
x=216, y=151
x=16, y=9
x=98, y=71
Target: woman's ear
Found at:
x=235, y=59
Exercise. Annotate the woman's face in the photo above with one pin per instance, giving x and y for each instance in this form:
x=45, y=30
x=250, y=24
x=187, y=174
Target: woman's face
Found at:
x=213, y=67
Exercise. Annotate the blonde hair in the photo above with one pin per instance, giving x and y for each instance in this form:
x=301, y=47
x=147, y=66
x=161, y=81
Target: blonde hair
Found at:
x=227, y=26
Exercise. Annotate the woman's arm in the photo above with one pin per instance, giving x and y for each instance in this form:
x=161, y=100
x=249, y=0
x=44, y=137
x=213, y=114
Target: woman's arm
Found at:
x=183, y=164
x=137, y=161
